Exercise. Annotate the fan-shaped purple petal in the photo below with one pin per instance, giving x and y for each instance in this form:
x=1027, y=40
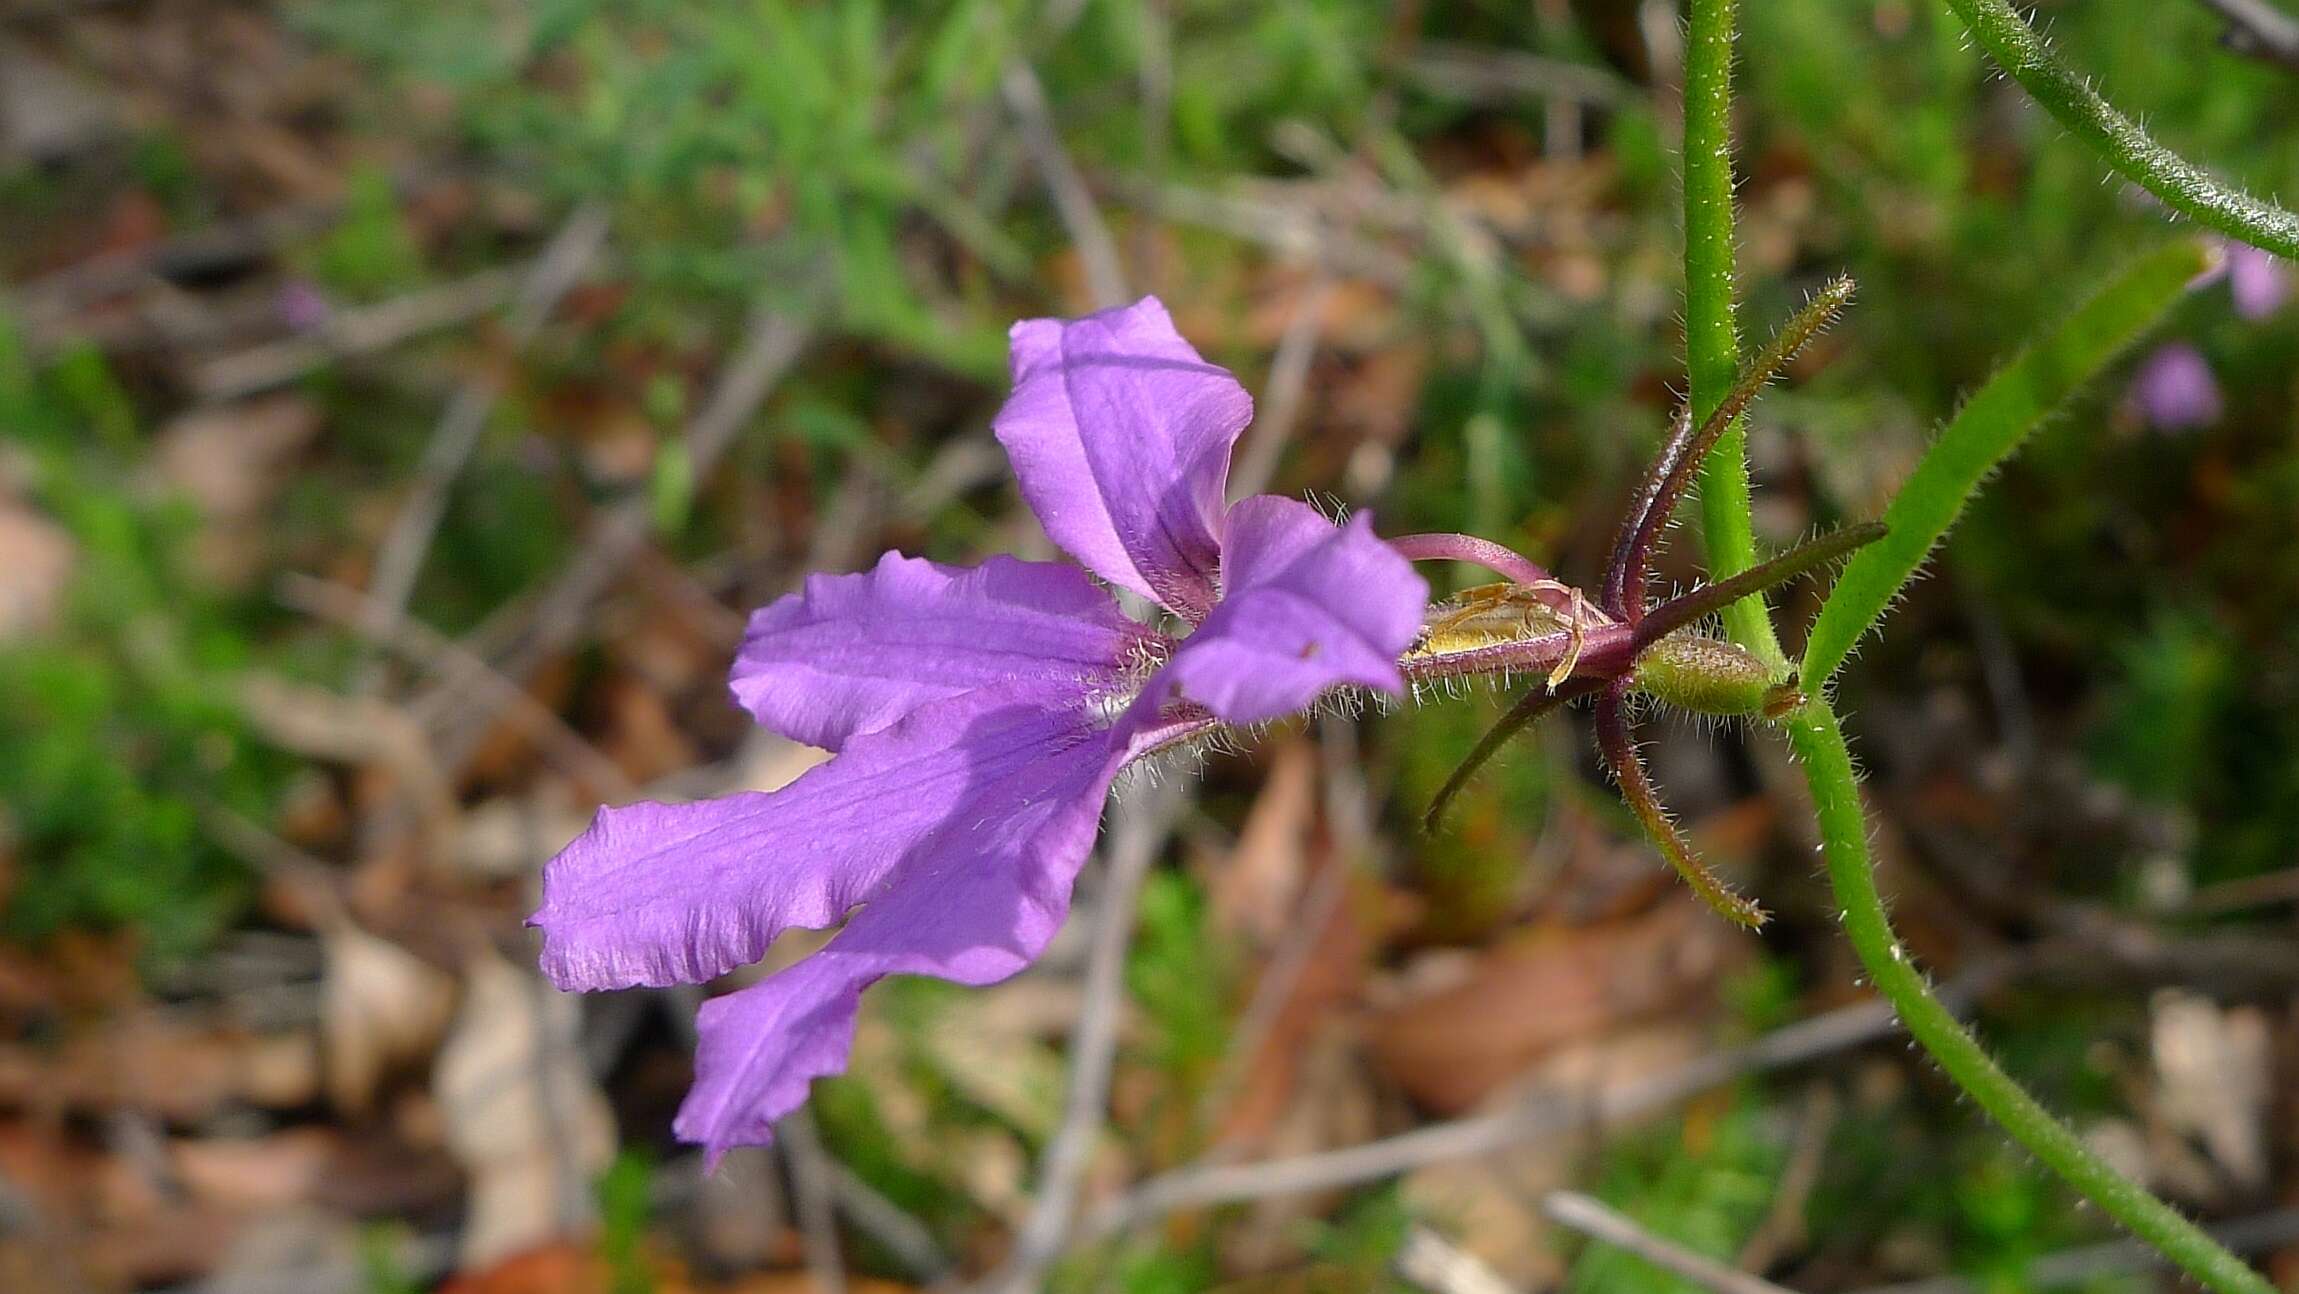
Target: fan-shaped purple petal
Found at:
x=854, y=653
x=1120, y=435
x=979, y=902
x=1308, y=605
x=660, y=894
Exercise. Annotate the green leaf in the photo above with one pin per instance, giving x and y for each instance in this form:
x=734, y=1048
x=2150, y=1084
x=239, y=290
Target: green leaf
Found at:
x=1985, y=433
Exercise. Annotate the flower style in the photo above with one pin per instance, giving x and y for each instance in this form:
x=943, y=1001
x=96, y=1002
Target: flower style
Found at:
x=977, y=718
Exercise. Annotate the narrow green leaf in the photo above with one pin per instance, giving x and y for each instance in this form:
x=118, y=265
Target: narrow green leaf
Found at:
x=1989, y=427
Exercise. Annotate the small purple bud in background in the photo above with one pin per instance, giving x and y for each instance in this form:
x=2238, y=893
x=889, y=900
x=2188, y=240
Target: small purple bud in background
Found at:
x=302, y=307
x=2259, y=283
x=2174, y=389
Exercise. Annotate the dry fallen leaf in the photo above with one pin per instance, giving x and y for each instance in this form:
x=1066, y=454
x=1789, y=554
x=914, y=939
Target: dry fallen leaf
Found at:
x=256, y=1173
x=992, y=1048
x=1525, y=999
x=1327, y=975
x=36, y=573
x=48, y=110
x=2214, y=1083
x=1490, y=1204
x=523, y=1115
x=1331, y=1105
x=292, y=1247
x=557, y=1268
x=231, y=461
x=381, y=1007
x=174, y=1069
x=567, y=1268
x=1255, y=888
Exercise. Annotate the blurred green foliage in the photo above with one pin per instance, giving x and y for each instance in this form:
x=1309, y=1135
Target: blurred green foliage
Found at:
x=1703, y=1184
x=119, y=729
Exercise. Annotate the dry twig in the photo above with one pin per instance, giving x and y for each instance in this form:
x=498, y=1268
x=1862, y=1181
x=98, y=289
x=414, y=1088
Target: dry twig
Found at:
x=1782, y=1229
x=1073, y=201
x=1591, y=1218
x=1141, y=831
x=811, y=1182
x=885, y=1222
x=2258, y=1233
x=772, y=342
x=355, y=332
x=1436, y=1264
x=428, y=648
x=2257, y=29
x=1280, y=408
x=400, y=559
x=1508, y=76
x=1541, y=1113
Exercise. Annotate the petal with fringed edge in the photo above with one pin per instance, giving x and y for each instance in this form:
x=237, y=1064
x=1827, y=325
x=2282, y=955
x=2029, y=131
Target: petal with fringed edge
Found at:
x=851, y=654
x=659, y=894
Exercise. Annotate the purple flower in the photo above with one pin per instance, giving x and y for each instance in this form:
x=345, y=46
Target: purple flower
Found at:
x=2258, y=282
x=2174, y=389
x=302, y=306
x=977, y=718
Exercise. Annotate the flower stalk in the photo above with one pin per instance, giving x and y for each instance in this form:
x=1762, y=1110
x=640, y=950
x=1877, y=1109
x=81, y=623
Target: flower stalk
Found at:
x=1813, y=730
x=1711, y=337
x=1614, y=645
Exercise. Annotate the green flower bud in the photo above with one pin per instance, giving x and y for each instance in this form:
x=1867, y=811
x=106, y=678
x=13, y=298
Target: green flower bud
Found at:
x=1706, y=675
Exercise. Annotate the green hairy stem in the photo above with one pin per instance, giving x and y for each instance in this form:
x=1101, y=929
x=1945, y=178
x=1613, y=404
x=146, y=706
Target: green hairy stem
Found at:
x=2129, y=151
x=1705, y=600
x=1690, y=443
x=1711, y=339
x=1819, y=745
x=1987, y=430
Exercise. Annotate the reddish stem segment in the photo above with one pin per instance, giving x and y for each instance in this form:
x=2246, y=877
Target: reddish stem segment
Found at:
x=1529, y=709
x=1618, y=597
x=1439, y=547
x=1680, y=457
x=1618, y=746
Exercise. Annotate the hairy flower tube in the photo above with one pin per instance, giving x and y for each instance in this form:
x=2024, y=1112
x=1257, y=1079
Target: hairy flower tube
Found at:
x=979, y=715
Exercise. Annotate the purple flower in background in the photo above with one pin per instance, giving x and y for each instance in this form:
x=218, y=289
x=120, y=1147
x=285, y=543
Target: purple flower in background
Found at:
x=302, y=306
x=978, y=716
x=2175, y=390
x=2258, y=282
